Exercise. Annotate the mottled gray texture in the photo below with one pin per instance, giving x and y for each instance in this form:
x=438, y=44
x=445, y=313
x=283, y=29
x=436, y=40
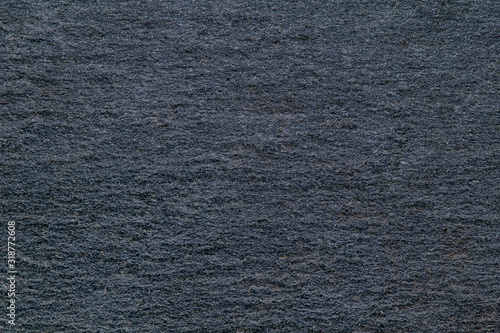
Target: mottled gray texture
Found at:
x=252, y=166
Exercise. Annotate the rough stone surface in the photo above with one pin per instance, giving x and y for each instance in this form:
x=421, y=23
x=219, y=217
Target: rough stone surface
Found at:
x=252, y=166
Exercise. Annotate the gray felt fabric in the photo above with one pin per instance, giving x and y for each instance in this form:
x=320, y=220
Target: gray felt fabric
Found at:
x=252, y=166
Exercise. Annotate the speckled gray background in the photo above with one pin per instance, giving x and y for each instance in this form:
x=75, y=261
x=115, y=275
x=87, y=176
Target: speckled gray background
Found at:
x=252, y=166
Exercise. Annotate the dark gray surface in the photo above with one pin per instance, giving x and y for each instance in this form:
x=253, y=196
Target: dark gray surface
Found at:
x=248, y=166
